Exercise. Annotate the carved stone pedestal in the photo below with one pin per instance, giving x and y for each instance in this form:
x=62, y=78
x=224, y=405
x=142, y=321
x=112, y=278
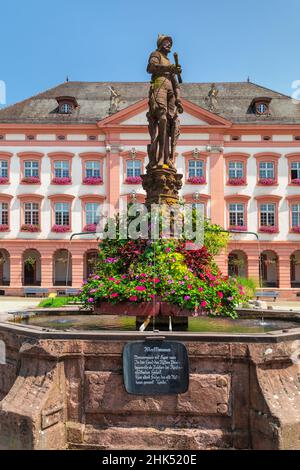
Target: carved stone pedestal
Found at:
x=162, y=186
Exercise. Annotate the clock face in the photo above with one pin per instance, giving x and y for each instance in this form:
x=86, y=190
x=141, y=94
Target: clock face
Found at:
x=261, y=108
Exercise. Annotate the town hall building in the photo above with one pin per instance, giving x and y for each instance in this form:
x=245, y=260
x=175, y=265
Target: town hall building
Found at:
x=70, y=149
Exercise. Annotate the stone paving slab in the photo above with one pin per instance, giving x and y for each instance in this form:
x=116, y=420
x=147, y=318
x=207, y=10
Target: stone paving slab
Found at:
x=16, y=304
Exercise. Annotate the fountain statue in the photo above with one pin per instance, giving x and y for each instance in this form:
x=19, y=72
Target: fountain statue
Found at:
x=161, y=181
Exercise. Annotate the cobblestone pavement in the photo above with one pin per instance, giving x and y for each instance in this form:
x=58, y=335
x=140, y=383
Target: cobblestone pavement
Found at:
x=16, y=304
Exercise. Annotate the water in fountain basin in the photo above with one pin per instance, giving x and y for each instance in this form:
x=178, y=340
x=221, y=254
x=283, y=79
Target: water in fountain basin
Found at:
x=126, y=323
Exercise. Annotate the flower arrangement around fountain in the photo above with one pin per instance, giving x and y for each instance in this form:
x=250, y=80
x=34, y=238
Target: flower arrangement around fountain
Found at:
x=139, y=272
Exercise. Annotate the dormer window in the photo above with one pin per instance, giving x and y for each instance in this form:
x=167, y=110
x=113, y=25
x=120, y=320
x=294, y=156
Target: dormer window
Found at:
x=65, y=108
x=260, y=106
x=66, y=104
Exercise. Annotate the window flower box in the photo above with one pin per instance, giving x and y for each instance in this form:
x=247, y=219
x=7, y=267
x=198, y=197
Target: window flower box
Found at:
x=238, y=228
x=197, y=180
x=93, y=180
x=296, y=229
x=61, y=228
x=236, y=181
x=296, y=181
x=3, y=180
x=31, y=180
x=90, y=228
x=4, y=228
x=30, y=228
x=63, y=180
x=268, y=229
x=133, y=180
x=267, y=181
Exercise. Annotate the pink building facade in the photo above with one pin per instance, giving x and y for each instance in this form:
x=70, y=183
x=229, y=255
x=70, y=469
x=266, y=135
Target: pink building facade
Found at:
x=62, y=155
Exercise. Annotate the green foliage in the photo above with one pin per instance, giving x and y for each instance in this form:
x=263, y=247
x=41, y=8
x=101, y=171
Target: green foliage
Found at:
x=54, y=302
x=249, y=285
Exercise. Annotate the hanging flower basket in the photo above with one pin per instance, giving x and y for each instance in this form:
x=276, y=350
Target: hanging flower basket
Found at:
x=61, y=228
x=90, y=228
x=267, y=181
x=30, y=228
x=268, y=229
x=133, y=309
x=237, y=181
x=296, y=181
x=30, y=261
x=197, y=180
x=133, y=180
x=4, y=227
x=93, y=180
x=3, y=180
x=31, y=180
x=64, y=180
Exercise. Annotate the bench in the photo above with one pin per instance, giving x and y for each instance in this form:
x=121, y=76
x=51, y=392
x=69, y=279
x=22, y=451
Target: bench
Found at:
x=267, y=293
x=40, y=291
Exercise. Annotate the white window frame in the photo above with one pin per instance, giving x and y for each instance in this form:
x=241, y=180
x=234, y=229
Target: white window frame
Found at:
x=92, y=213
x=31, y=169
x=61, y=169
x=92, y=169
x=31, y=213
x=195, y=168
x=62, y=213
x=4, y=213
x=235, y=170
x=236, y=214
x=133, y=168
x=267, y=215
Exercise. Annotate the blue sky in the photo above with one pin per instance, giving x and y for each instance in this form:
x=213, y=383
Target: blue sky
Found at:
x=95, y=40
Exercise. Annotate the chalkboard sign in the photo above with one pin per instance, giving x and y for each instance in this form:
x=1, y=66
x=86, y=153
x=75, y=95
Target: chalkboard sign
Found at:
x=155, y=367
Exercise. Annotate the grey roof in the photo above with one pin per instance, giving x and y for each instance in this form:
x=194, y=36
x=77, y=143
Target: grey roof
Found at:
x=93, y=98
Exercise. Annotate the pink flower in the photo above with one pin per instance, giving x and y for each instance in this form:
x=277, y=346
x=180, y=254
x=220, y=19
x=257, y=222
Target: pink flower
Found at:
x=91, y=300
x=156, y=280
x=189, y=286
x=96, y=277
x=90, y=228
x=152, y=296
x=92, y=180
x=111, y=279
x=133, y=180
x=92, y=291
x=237, y=181
x=62, y=180
x=197, y=180
x=203, y=303
x=133, y=298
x=230, y=298
x=186, y=297
x=124, y=276
x=61, y=228
x=3, y=180
x=140, y=288
x=200, y=289
x=220, y=295
x=115, y=294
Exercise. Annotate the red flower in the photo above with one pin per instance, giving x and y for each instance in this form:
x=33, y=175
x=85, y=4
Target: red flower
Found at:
x=189, y=286
x=115, y=294
x=133, y=298
x=220, y=294
x=140, y=288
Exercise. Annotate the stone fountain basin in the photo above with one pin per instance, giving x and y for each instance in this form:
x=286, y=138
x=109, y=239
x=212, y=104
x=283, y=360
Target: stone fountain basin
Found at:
x=64, y=389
